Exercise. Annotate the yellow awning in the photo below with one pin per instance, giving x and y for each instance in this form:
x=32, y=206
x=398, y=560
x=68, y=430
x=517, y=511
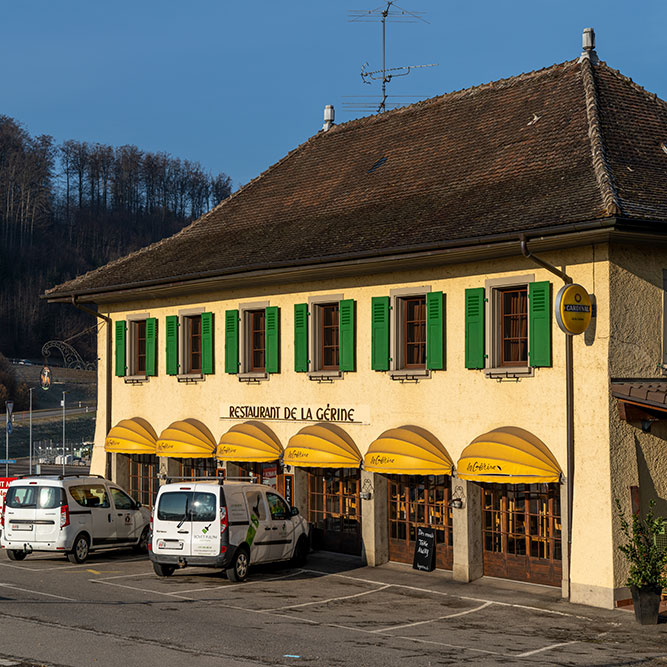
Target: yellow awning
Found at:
x=408, y=450
x=186, y=439
x=322, y=446
x=250, y=441
x=508, y=455
x=131, y=436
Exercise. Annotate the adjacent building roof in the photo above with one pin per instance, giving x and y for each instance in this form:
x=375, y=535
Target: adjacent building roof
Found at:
x=573, y=142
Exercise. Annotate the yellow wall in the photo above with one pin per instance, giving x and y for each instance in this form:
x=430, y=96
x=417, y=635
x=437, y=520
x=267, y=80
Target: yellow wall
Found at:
x=456, y=404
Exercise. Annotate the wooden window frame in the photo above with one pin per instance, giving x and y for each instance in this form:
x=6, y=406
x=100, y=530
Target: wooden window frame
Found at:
x=501, y=317
x=403, y=329
x=189, y=336
x=136, y=345
x=321, y=309
x=250, y=317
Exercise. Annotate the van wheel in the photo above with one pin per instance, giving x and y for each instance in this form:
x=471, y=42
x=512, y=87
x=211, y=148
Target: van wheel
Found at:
x=142, y=545
x=163, y=570
x=238, y=570
x=16, y=554
x=301, y=551
x=80, y=549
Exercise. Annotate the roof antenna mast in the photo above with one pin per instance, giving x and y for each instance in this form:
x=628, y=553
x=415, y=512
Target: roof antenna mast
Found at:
x=388, y=12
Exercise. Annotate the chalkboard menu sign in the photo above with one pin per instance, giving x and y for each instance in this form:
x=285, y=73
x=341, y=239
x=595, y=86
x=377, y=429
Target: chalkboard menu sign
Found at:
x=424, y=550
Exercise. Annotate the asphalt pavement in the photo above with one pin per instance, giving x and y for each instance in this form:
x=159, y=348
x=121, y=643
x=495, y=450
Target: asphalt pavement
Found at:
x=113, y=609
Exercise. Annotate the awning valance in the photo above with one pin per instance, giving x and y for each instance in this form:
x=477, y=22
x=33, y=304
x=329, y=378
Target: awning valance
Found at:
x=322, y=446
x=131, y=436
x=250, y=441
x=408, y=450
x=186, y=439
x=508, y=455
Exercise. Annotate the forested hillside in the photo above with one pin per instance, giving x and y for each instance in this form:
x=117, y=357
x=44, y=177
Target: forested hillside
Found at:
x=68, y=208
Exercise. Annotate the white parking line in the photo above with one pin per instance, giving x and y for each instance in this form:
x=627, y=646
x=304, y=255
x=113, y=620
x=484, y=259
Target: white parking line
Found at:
x=546, y=648
x=433, y=620
x=27, y=590
x=342, y=597
x=141, y=590
x=244, y=584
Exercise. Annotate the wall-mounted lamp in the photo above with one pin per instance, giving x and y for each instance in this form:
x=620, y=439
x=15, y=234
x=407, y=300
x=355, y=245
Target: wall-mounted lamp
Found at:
x=458, y=499
x=366, y=490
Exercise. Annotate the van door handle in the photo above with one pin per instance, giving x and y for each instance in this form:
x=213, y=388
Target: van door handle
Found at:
x=274, y=528
x=109, y=517
x=183, y=532
x=266, y=528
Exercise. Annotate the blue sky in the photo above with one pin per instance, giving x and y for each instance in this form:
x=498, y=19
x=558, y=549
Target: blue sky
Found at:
x=236, y=85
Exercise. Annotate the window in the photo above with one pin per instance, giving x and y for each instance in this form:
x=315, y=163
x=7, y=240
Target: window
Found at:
x=413, y=332
x=408, y=332
x=144, y=482
x=327, y=334
x=192, y=344
x=189, y=338
x=324, y=336
x=35, y=497
x=121, y=500
x=256, y=323
x=512, y=322
x=277, y=507
x=256, y=505
x=90, y=496
x=257, y=327
x=508, y=326
x=136, y=347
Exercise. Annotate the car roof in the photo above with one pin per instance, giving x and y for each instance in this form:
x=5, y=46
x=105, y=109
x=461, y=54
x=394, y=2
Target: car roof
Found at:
x=205, y=484
x=60, y=478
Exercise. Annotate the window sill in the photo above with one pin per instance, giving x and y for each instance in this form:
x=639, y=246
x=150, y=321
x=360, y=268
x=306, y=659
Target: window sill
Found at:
x=191, y=377
x=410, y=375
x=325, y=376
x=136, y=379
x=252, y=377
x=509, y=372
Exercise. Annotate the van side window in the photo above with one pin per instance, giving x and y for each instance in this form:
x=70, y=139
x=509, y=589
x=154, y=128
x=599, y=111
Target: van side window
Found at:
x=256, y=504
x=121, y=500
x=91, y=495
x=203, y=507
x=277, y=507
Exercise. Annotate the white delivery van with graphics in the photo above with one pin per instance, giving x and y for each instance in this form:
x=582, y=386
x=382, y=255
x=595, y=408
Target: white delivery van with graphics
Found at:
x=73, y=514
x=224, y=524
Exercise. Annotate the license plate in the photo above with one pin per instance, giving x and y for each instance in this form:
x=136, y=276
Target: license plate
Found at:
x=169, y=545
x=21, y=526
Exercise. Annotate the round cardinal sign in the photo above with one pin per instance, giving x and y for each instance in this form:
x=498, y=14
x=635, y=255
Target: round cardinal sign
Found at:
x=573, y=309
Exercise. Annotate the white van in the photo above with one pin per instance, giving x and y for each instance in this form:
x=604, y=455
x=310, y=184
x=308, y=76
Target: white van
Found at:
x=73, y=514
x=224, y=524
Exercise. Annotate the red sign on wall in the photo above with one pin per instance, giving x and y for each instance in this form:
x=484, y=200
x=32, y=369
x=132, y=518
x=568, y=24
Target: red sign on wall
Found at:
x=4, y=484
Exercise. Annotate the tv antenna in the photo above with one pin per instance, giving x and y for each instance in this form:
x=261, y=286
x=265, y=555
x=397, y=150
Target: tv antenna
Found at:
x=389, y=12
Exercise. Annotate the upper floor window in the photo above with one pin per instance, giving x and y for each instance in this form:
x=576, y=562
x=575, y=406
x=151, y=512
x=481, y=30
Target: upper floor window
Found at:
x=508, y=326
x=189, y=338
x=258, y=332
x=408, y=332
x=136, y=347
x=324, y=336
x=256, y=323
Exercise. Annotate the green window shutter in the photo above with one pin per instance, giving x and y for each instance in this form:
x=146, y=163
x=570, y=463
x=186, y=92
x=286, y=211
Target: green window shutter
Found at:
x=151, y=350
x=474, y=328
x=435, y=331
x=272, y=320
x=171, y=336
x=346, y=351
x=539, y=323
x=380, y=333
x=121, y=328
x=207, y=343
x=301, y=337
x=231, y=341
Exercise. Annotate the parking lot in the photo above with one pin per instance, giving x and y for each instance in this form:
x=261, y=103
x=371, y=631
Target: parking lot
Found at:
x=333, y=612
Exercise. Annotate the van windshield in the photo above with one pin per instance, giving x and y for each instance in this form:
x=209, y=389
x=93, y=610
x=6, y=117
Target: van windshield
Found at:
x=186, y=505
x=34, y=497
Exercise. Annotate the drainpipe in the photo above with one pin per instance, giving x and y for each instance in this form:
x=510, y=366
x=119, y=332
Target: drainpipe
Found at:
x=569, y=403
x=107, y=319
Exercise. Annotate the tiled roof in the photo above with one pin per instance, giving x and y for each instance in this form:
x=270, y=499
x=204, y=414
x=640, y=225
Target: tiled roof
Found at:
x=573, y=142
x=648, y=393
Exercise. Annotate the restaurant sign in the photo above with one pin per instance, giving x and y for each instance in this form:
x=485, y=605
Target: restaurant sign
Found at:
x=345, y=414
x=573, y=309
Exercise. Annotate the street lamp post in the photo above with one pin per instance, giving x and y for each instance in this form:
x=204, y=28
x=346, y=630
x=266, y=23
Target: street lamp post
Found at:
x=64, y=392
x=30, y=436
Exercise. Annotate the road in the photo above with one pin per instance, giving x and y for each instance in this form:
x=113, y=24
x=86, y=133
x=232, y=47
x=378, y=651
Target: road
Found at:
x=113, y=609
x=24, y=415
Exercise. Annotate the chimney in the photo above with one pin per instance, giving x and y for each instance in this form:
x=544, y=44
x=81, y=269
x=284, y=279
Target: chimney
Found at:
x=588, y=44
x=328, y=117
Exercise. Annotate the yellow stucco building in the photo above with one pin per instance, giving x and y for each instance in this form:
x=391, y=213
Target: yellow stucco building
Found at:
x=369, y=325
